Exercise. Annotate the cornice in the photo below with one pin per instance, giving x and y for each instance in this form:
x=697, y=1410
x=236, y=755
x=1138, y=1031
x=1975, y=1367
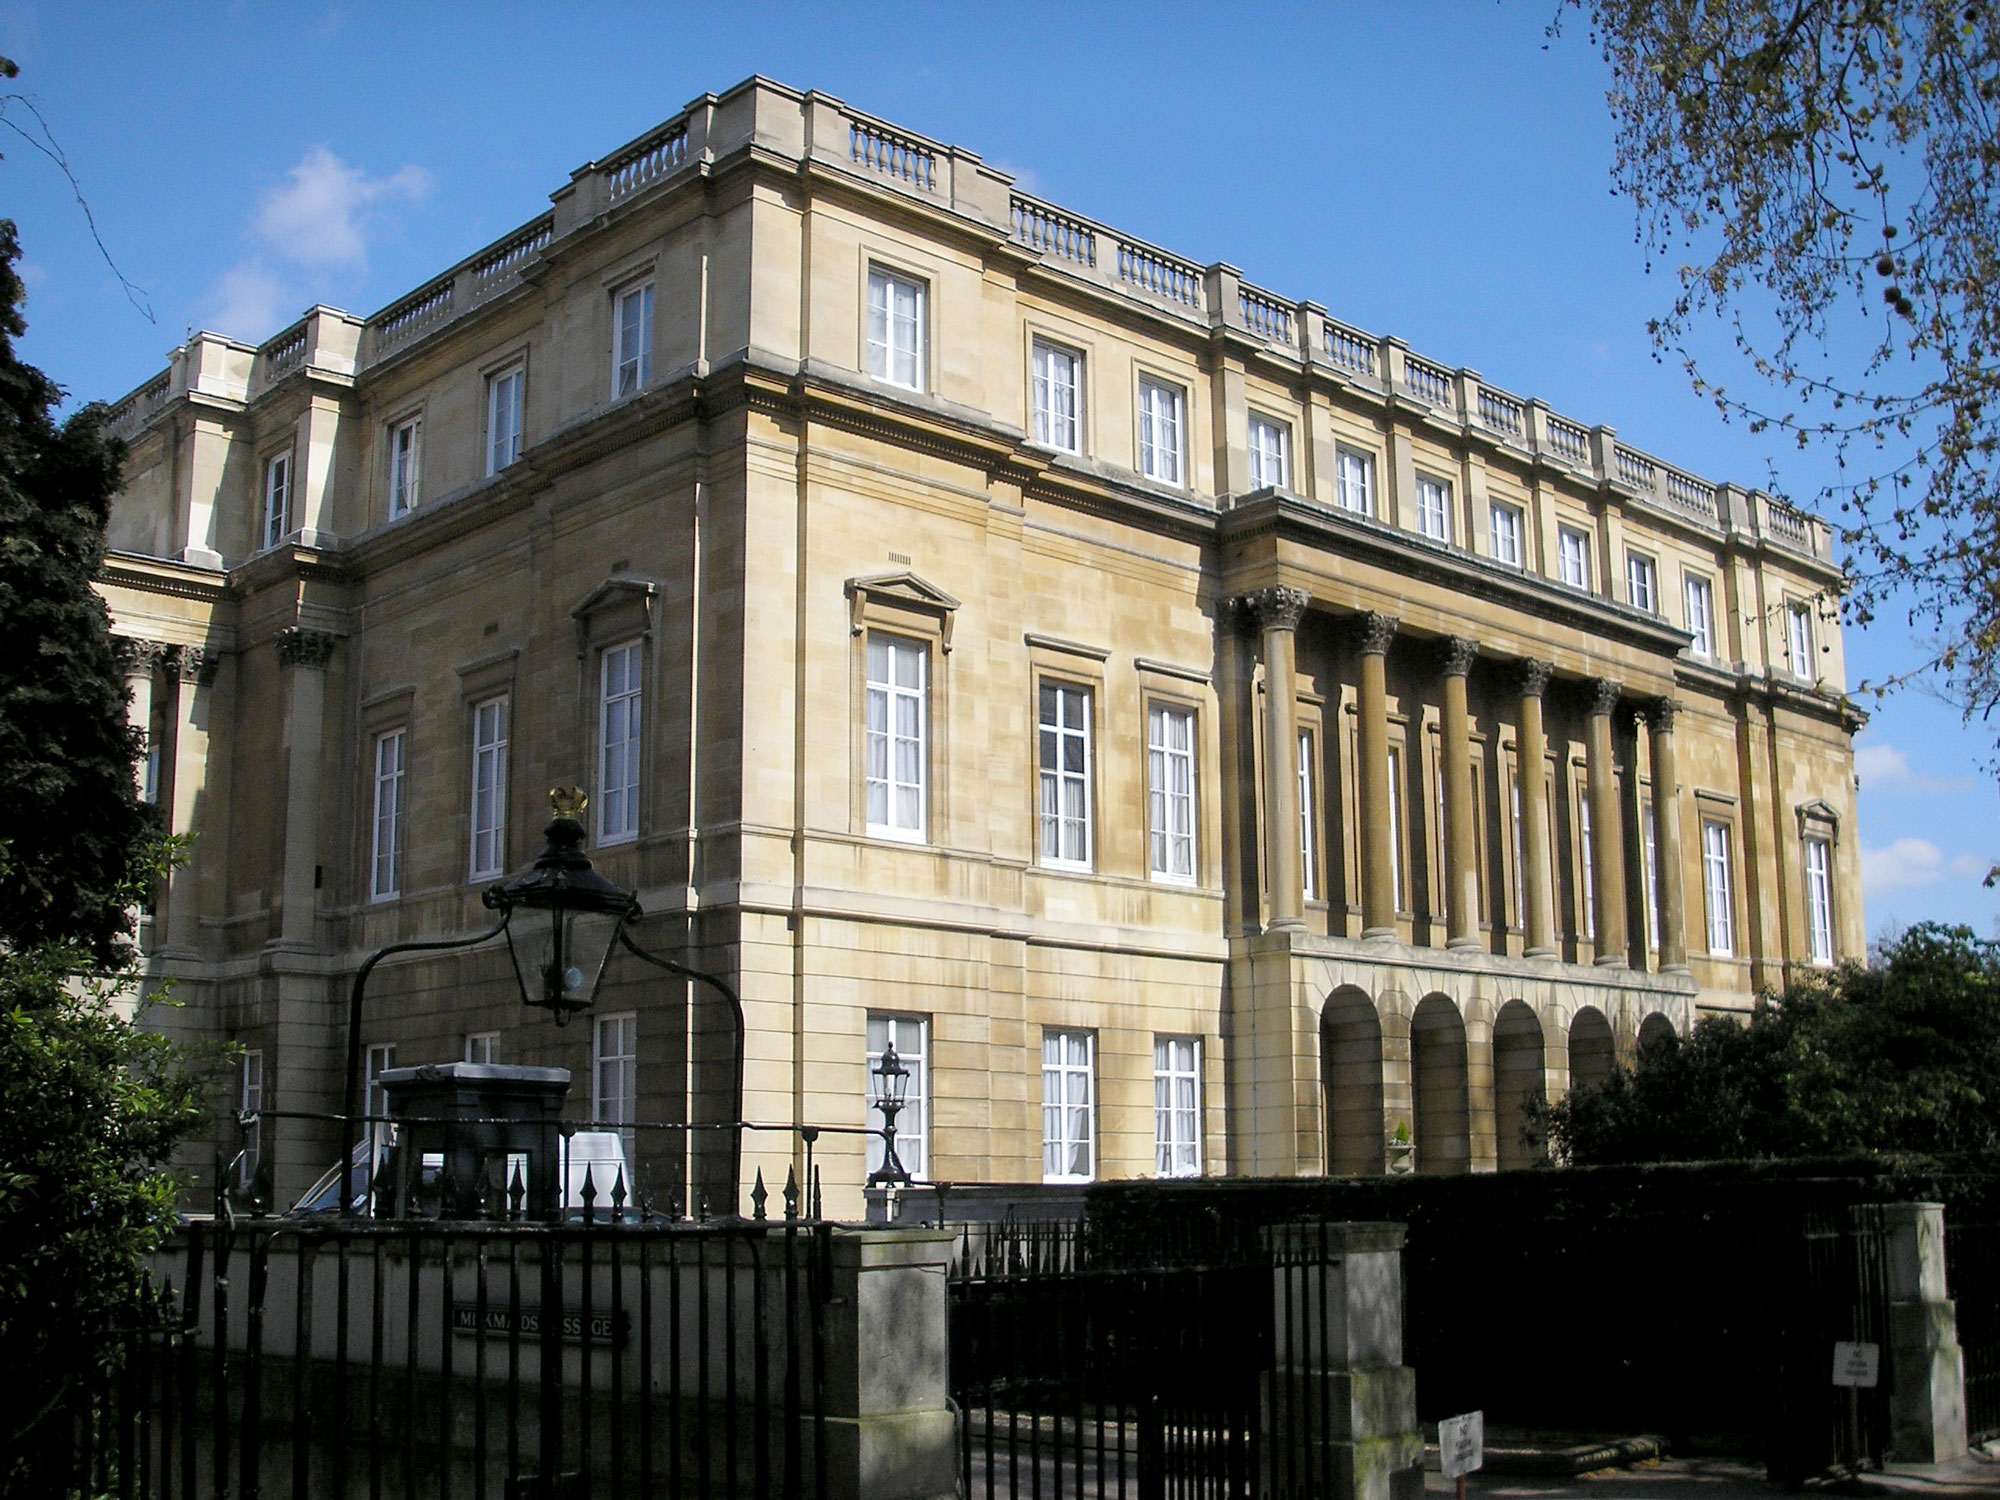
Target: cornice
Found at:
x=162, y=575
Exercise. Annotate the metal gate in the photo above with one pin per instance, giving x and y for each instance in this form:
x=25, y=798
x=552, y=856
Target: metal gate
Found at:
x=1972, y=1276
x=1835, y=1289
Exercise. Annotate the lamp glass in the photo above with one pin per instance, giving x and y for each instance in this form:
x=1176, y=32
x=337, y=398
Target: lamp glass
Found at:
x=560, y=955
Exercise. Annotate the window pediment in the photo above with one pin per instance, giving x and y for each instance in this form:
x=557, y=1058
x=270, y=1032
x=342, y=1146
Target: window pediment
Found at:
x=904, y=592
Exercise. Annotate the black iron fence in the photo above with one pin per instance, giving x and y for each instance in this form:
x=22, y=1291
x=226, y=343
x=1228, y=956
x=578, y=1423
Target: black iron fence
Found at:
x=1972, y=1275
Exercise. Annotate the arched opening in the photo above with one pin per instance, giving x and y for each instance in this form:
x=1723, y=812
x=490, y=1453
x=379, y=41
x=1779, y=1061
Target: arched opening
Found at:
x=1589, y=1048
x=1350, y=1069
x=1517, y=1078
x=1654, y=1030
x=1438, y=1079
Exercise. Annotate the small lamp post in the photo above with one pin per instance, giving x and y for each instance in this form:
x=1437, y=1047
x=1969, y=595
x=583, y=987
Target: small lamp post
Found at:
x=892, y=1087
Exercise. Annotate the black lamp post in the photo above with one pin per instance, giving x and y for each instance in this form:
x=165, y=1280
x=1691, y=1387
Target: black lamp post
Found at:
x=892, y=1087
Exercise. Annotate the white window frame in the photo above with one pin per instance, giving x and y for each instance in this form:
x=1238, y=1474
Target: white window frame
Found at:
x=1588, y=869
x=250, y=1101
x=1520, y=848
x=1573, y=557
x=1177, y=1108
x=1354, y=481
x=1698, y=596
x=1162, y=431
x=1718, y=887
x=1056, y=381
x=912, y=1037
x=1270, y=452
x=896, y=794
x=1434, y=508
x=1650, y=823
x=278, y=473
x=1798, y=638
x=620, y=721
x=631, y=340
x=1308, y=814
x=1069, y=1105
x=617, y=1065
x=1642, y=585
x=482, y=1046
x=1064, y=791
x=1818, y=855
x=490, y=729
x=1507, y=536
x=897, y=337
x=506, y=410
x=377, y=1059
x=406, y=452
x=385, y=859
x=1170, y=793
x=1396, y=810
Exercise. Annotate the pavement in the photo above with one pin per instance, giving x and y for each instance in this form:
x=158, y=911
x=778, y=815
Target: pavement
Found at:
x=1731, y=1479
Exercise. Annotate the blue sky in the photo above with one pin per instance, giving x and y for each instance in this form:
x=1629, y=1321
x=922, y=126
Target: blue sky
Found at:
x=1437, y=171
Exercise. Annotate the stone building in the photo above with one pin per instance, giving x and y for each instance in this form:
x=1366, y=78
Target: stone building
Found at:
x=974, y=626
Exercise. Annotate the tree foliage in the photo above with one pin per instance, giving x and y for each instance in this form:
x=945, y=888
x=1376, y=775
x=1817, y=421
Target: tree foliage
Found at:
x=1900, y=1056
x=1821, y=172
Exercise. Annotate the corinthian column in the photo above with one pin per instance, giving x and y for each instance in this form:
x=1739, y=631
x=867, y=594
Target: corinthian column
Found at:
x=1531, y=752
x=1279, y=611
x=194, y=673
x=1378, y=827
x=140, y=661
x=304, y=655
x=1461, y=847
x=1667, y=835
x=1607, y=828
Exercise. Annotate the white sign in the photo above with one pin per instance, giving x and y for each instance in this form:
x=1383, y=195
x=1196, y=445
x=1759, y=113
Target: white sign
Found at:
x=1462, y=1443
x=1857, y=1364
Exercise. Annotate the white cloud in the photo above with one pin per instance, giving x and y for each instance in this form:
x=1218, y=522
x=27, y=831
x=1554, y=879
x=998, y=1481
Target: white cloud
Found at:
x=1884, y=768
x=31, y=273
x=248, y=302
x=1912, y=864
x=321, y=217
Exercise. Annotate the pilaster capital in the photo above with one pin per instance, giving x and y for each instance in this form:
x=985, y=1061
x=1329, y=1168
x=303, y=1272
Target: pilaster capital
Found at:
x=1279, y=607
x=1532, y=677
x=1375, y=631
x=299, y=647
x=1603, y=695
x=137, y=656
x=1456, y=654
x=196, y=664
x=1659, y=714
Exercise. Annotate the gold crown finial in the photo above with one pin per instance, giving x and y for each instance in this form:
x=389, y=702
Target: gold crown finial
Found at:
x=568, y=801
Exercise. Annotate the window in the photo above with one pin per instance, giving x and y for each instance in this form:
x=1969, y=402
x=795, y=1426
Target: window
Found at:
x=1819, y=899
x=1701, y=616
x=1798, y=638
x=1065, y=774
x=504, y=393
x=1396, y=825
x=895, y=737
x=618, y=745
x=1573, y=557
x=896, y=329
x=250, y=1106
x=1308, y=832
x=1507, y=534
x=149, y=776
x=1520, y=874
x=489, y=787
x=1354, y=480
x=1651, y=823
x=1641, y=587
x=1270, y=453
x=386, y=865
x=1069, y=1107
x=615, y=1073
x=1161, y=410
x=632, y=345
x=1177, y=1106
x=1170, y=791
x=377, y=1060
x=1434, y=508
x=482, y=1046
x=1058, y=394
x=1716, y=887
x=405, y=448
x=277, y=498
x=1588, y=879
x=911, y=1036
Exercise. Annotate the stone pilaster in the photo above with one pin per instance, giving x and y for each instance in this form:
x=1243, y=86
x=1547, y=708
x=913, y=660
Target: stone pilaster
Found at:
x=304, y=654
x=1461, y=856
x=1607, y=861
x=1531, y=753
x=1378, y=828
x=193, y=670
x=1667, y=851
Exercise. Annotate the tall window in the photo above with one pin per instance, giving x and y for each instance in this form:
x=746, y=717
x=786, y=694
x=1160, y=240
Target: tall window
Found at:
x=1819, y=899
x=1701, y=616
x=1354, y=480
x=896, y=329
x=277, y=498
x=1589, y=879
x=489, y=787
x=1177, y=1106
x=1270, y=453
x=1641, y=585
x=1520, y=874
x=482, y=1046
x=1308, y=819
x=1507, y=534
x=1434, y=508
x=386, y=864
x=1065, y=774
x=1170, y=791
x=1798, y=639
x=1573, y=557
x=505, y=395
x=250, y=1107
x=1651, y=823
x=1161, y=418
x=618, y=745
x=405, y=444
x=912, y=1036
x=895, y=735
x=615, y=1073
x=1069, y=1106
x=632, y=351
x=1396, y=826
x=1058, y=393
x=1715, y=881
